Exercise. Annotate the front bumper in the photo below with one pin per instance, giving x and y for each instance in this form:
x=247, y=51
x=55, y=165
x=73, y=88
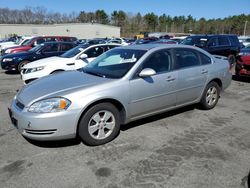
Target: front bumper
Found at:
x=46, y=126
x=10, y=65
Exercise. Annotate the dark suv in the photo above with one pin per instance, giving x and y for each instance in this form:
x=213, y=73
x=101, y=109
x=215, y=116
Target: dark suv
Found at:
x=225, y=45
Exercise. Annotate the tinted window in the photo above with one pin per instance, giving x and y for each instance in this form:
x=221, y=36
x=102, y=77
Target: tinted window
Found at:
x=50, y=48
x=109, y=47
x=223, y=41
x=185, y=58
x=66, y=47
x=95, y=51
x=159, y=61
x=40, y=41
x=205, y=60
x=212, y=42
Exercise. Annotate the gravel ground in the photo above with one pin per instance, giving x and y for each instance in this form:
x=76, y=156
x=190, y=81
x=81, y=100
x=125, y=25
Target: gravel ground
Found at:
x=182, y=148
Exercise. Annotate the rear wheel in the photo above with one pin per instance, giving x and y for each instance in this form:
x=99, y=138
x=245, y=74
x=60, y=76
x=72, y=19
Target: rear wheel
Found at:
x=210, y=96
x=100, y=124
x=21, y=64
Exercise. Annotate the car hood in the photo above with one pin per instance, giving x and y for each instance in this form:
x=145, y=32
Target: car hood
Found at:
x=57, y=85
x=46, y=61
x=19, y=54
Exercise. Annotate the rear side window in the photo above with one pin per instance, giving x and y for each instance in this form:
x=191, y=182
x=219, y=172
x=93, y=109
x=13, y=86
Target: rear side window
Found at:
x=185, y=58
x=223, y=41
x=205, y=60
x=159, y=61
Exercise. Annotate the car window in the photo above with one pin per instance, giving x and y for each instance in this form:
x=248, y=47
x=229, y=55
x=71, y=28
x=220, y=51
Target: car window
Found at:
x=212, y=42
x=95, y=51
x=223, y=41
x=65, y=47
x=185, y=58
x=50, y=48
x=109, y=47
x=159, y=61
x=50, y=39
x=40, y=41
x=114, y=63
x=205, y=60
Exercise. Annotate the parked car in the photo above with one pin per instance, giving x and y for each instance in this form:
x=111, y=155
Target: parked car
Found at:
x=245, y=40
x=242, y=67
x=225, y=45
x=37, y=40
x=10, y=44
x=164, y=41
x=17, y=60
x=120, y=86
x=73, y=59
x=145, y=40
x=118, y=41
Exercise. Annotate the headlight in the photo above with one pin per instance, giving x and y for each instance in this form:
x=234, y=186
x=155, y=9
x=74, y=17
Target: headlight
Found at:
x=50, y=105
x=7, y=59
x=30, y=70
x=7, y=51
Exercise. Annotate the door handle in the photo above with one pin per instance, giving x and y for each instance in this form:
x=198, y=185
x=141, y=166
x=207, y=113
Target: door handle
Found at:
x=170, y=79
x=204, y=71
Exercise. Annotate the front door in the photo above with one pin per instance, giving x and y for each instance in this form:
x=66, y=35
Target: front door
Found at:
x=157, y=92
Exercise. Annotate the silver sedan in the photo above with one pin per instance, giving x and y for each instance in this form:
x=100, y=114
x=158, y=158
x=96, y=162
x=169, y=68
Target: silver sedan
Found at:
x=120, y=86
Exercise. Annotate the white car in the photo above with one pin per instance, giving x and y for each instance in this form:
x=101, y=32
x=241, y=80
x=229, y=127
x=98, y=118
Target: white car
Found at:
x=9, y=44
x=73, y=59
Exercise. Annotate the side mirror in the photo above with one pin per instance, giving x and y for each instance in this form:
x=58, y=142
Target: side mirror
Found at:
x=147, y=72
x=83, y=56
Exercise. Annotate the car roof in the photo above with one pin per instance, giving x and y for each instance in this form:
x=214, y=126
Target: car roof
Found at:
x=58, y=42
x=152, y=45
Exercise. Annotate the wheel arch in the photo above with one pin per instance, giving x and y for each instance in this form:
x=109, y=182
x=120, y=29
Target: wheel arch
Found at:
x=57, y=70
x=120, y=107
x=216, y=80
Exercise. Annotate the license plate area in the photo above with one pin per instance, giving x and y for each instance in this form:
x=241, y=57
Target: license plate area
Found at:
x=13, y=120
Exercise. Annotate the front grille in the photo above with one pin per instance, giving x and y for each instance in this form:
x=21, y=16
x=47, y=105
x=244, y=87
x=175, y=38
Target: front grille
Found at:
x=19, y=104
x=40, y=132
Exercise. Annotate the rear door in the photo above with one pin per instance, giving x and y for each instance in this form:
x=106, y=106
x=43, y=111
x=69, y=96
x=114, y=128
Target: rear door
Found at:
x=192, y=75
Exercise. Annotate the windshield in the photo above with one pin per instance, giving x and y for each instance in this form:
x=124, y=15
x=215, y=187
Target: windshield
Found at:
x=74, y=51
x=114, y=63
x=27, y=42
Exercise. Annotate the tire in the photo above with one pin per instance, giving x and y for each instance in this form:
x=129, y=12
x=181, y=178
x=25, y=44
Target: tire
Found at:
x=210, y=96
x=93, y=129
x=21, y=64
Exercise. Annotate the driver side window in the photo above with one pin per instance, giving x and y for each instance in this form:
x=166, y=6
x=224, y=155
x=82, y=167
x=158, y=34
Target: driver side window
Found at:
x=159, y=61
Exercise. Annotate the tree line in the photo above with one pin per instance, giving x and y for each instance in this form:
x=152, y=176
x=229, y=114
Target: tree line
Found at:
x=131, y=24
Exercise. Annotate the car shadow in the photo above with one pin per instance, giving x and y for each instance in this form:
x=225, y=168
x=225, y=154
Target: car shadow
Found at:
x=241, y=79
x=11, y=72
x=55, y=144
x=157, y=117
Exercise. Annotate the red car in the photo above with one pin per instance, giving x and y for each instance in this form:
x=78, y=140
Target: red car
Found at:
x=37, y=40
x=242, y=67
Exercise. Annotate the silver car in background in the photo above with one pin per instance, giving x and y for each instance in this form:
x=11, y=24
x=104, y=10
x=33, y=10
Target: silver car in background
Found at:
x=120, y=86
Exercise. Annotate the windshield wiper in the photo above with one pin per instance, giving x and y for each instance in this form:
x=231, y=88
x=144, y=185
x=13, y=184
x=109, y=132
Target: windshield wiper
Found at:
x=94, y=73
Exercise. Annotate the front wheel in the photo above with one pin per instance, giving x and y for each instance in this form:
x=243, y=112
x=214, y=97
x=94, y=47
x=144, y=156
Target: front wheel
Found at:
x=100, y=124
x=210, y=96
x=21, y=64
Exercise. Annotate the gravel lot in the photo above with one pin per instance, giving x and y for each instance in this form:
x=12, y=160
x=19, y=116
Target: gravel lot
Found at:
x=183, y=148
